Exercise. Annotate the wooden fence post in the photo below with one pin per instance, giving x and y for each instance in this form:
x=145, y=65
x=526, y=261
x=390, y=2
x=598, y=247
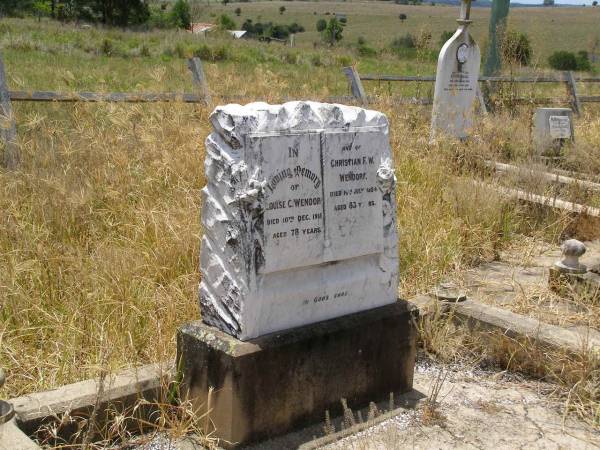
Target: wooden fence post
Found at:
x=8, y=127
x=572, y=92
x=195, y=66
x=482, y=106
x=355, y=84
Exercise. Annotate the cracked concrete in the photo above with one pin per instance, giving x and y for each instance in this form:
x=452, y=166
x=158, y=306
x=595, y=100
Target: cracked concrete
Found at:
x=481, y=410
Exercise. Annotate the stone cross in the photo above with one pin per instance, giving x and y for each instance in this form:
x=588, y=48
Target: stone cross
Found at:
x=298, y=215
x=456, y=81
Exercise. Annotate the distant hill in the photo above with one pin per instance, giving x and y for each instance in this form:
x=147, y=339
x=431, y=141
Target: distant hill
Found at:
x=488, y=4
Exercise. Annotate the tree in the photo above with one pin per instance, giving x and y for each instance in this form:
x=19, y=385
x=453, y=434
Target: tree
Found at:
x=498, y=18
x=238, y=11
x=42, y=8
x=333, y=31
x=281, y=9
x=321, y=25
x=226, y=23
x=402, y=17
x=595, y=3
x=548, y=2
x=113, y=12
x=516, y=48
x=180, y=15
x=563, y=60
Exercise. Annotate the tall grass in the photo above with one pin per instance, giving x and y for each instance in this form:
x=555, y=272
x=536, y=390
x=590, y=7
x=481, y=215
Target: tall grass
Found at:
x=100, y=228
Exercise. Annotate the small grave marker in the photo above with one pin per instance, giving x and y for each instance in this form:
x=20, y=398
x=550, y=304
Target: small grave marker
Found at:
x=552, y=128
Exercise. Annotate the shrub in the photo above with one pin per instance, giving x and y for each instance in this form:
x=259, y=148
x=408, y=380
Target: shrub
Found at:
x=343, y=61
x=361, y=40
x=206, y=53
x=225, y=22
x=291, y=58
x=238, y=11
x=280, y=32
x=281, y=9
x=144, y=51
x=107, y=48
x=402, y=42
x=445, y=36
x=365, y=50
x=180, y=15
x=402, y=17
x=583, y=61
x=295, y=28
x=321, y=25
x=203, y=52
x=563, y=60
x=516, y=48
x=180, y=50
x=315, y=60
x=333, y=31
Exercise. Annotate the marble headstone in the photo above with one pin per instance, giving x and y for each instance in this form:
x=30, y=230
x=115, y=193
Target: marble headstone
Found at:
x=552, y=127
x=298, y=215
x=456, y=84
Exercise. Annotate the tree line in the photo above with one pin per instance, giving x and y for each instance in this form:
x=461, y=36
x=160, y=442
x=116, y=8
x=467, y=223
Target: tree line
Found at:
x=108, y=12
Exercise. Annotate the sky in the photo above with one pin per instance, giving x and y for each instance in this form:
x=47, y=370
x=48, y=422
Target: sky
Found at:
x=560, y=2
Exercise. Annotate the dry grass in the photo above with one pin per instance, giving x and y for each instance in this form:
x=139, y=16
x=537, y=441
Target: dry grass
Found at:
x=575, y=376
x=100, y=230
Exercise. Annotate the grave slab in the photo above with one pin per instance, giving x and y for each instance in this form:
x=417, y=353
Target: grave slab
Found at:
x=270, y=385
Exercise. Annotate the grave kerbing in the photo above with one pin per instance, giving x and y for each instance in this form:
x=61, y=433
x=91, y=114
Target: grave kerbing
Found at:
x=456, y=81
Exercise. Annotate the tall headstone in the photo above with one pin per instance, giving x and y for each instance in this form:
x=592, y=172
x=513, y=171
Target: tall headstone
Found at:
x=299, y=216
x=456, y=81
x=299, y=270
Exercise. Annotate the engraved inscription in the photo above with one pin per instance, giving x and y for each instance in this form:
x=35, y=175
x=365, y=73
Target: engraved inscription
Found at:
x=352, y=199
x=560, y=127
x=321, y=200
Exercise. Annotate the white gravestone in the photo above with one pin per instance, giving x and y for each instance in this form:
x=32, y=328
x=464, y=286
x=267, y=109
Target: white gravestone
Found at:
x=456, y=82
x=552, y=127
x=298, y=216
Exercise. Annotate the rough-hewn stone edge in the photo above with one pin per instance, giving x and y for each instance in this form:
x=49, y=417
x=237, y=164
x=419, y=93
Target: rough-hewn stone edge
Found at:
x=518, y=326
x=125, y=388
x=233, y=121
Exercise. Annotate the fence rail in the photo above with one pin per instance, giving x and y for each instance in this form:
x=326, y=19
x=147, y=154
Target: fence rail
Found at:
x=124, y=97
x=573, y=98
x=499, y=79
x=201, y=94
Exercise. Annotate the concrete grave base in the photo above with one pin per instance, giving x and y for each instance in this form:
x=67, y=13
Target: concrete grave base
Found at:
x=272, y=384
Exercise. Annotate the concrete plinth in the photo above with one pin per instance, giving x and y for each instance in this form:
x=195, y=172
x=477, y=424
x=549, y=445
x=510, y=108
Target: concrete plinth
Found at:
x=273, y=384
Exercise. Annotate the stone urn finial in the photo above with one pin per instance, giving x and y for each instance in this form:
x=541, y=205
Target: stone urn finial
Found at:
x=572, y=249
